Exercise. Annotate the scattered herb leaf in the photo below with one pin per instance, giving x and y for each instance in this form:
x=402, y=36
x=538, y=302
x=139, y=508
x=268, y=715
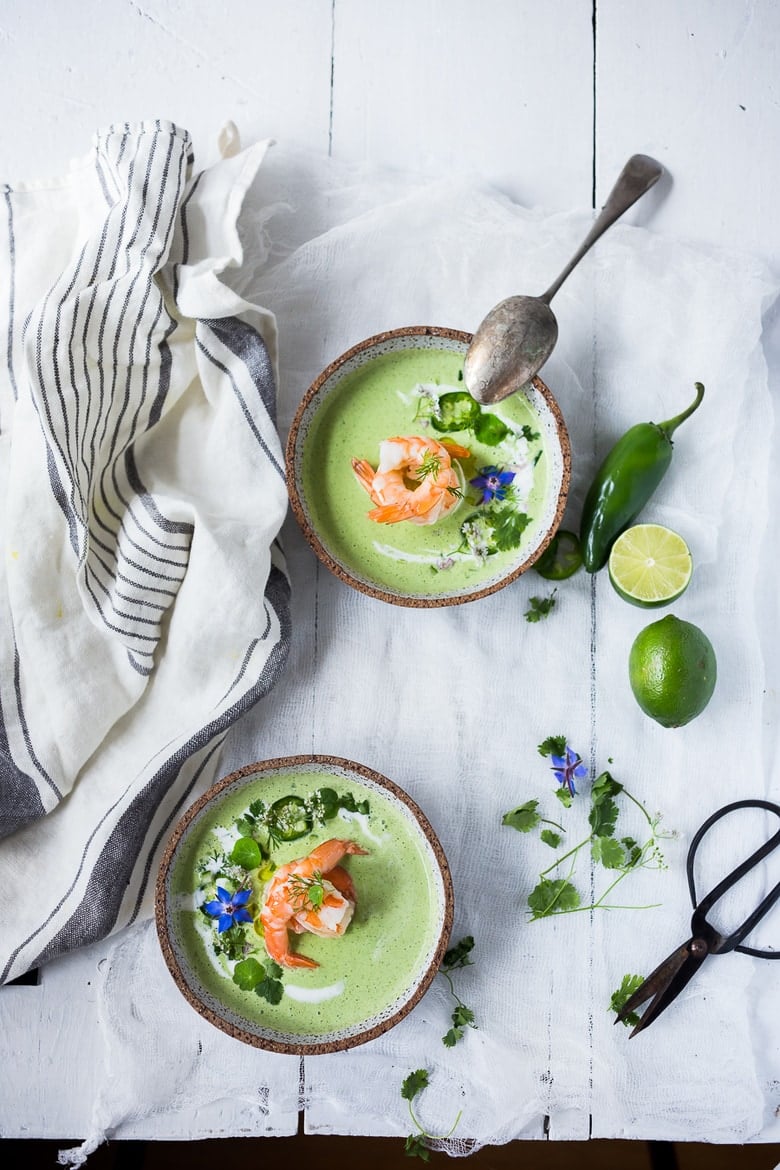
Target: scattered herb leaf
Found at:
x=415, y=1146
x=621, y=855
x=602, y=817
x=540, y=607
x=629, y=985
x=458, y=956
x=462, y=1016
x=552, y=897
x=414, y=1084
x=554, y=745
x=524, y=817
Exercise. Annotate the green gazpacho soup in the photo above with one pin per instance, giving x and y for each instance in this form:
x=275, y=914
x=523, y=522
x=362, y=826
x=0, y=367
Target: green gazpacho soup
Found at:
x=389, y=942
x=420, y=392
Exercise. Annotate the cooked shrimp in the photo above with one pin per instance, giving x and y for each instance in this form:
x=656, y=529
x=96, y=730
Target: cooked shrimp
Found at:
x=290, y=904
x=415, y=479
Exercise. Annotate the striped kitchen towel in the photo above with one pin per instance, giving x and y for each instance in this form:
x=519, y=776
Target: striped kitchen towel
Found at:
x=143, y=596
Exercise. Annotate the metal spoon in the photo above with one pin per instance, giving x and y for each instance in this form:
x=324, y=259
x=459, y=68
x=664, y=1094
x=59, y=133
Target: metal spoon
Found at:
x=519, y=334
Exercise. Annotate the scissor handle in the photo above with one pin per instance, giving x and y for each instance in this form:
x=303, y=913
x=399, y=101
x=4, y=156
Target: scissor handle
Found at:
x=701, y=909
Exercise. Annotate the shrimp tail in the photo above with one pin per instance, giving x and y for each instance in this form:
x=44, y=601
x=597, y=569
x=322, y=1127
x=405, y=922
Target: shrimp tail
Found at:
x=364, y=473
x=343, y=882
x=389, y=513
x=277, y=945
x=455, y=449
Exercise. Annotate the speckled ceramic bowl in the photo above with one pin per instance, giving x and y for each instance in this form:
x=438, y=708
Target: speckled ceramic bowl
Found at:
x=369, y=978
x=385, y=387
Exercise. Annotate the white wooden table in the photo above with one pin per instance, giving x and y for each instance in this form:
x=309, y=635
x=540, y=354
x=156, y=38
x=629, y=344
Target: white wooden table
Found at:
x=544, y=100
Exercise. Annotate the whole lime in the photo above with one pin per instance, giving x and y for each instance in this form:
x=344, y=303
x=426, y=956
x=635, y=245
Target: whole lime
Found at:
x=672, y=669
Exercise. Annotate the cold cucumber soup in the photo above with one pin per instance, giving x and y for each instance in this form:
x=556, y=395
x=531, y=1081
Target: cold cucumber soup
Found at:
x=389, y=942
x=499, y=494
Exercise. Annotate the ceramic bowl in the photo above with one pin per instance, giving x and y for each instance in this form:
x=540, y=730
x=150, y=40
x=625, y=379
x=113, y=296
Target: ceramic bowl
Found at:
x=390, y=385
x=369, y=978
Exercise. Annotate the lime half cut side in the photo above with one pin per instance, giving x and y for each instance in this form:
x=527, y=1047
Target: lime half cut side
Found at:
x=650, y=565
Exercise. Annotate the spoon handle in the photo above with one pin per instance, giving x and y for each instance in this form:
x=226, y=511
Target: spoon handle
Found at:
x=638, y=176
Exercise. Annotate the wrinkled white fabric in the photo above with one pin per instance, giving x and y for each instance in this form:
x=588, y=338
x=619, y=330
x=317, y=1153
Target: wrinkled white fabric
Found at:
x=459, y=698
x=143, y=605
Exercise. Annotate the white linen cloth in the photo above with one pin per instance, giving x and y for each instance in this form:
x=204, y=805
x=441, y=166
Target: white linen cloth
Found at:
x=451, y=703
x=142, y=605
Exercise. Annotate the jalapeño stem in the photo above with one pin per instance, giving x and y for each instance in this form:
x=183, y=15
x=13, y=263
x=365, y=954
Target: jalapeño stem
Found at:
x=671, y=426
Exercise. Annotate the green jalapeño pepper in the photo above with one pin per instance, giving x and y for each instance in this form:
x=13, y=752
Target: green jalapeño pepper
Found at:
x=625, y=482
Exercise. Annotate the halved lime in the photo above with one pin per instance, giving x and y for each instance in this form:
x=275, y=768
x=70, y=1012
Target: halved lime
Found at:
x=650, y=565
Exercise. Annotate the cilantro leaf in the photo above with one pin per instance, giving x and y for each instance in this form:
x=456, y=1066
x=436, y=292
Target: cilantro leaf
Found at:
x=415, y=1147
x=457, y=956
x=604, y=786
x=539, y=607
x=451, y=1038
x=528, y=434
x=508, y=528
x=603, y=816
x=523, y=818
x=552, y=897
x=462, y=1016
x=245, y=825
x=257, y=808
x=414, y=1084
x=609, y=852
x=564, y=796
x=628, y=986
x=633, y=850
x=554, y=745
x=272, y=969
x=551, y=838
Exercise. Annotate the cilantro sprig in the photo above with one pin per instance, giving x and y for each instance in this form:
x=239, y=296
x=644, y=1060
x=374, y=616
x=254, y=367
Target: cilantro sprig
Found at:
x=621, y=855
x=540, y=607
x=462, y=1017
x=416, y=1143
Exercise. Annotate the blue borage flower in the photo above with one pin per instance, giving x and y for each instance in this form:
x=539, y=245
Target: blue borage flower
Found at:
x=229, y=908
x=568, y=768
x=492, y=482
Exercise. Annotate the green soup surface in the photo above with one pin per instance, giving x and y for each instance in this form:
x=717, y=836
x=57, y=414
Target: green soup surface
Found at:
x=389, y=396
x=387, y=945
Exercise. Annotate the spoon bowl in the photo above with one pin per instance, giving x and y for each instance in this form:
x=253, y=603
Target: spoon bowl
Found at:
x=519, y=334
x=512, y=343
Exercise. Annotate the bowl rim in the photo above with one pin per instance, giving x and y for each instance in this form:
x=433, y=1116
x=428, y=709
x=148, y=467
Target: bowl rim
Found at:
x=313, y=539
x=298, y=1048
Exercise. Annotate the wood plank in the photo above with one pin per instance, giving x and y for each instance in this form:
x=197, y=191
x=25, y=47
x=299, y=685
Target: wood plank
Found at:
x=67, y=70
x=499, y=91
x=694, y=85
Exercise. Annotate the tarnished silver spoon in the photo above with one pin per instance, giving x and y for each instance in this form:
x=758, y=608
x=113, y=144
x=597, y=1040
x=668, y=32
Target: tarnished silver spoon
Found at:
x=519, y=334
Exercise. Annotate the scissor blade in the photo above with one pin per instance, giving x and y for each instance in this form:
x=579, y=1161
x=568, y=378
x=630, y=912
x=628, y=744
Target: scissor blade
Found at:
x=663, y=985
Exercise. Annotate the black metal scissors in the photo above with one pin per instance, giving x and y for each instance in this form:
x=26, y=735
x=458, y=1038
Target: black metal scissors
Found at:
x=668, y=979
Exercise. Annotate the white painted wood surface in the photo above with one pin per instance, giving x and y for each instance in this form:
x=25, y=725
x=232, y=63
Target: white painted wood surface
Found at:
x=546, y=101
